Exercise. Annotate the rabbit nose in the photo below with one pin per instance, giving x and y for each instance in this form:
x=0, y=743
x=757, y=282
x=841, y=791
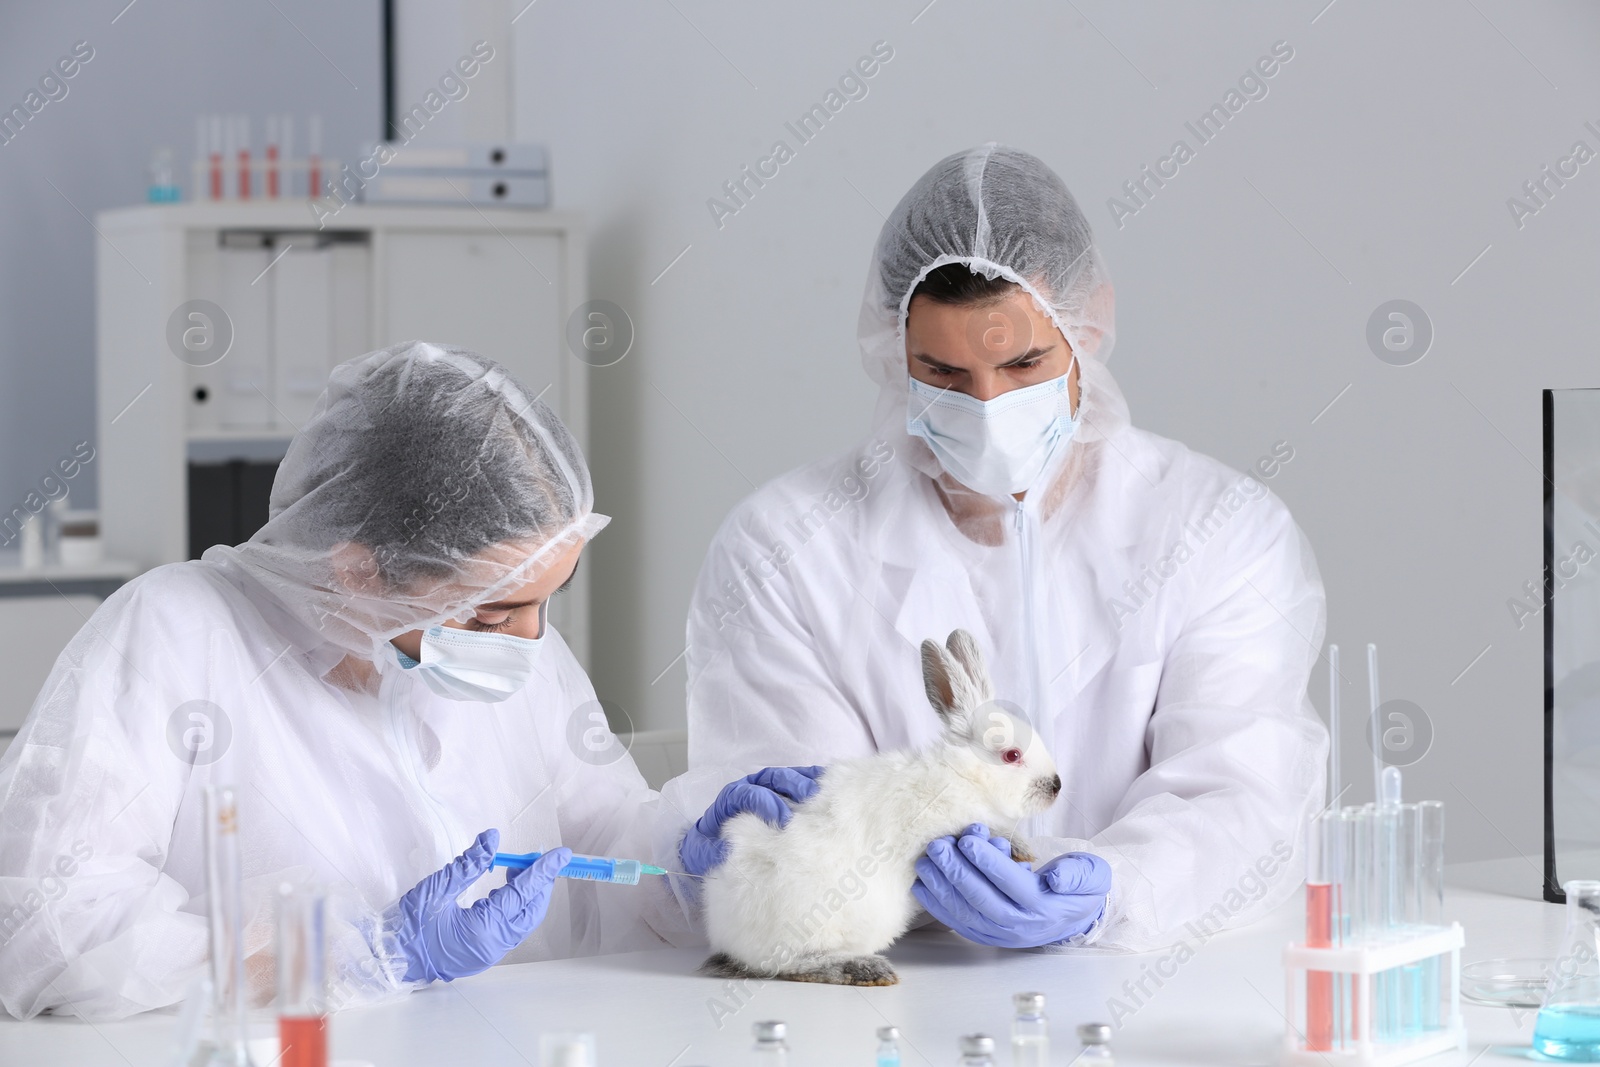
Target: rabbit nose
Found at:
x=1055, y=785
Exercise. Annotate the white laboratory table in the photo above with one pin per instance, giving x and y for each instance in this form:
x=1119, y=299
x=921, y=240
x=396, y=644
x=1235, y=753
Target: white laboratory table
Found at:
x=1221, y=1006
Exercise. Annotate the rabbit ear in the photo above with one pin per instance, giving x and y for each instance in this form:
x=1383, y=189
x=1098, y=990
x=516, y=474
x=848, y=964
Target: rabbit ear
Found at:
x=939, y=681
x=965, y=651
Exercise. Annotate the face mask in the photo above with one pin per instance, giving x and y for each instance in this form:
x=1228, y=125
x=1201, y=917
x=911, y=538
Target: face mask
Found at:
x=472, y=665
x=997, y=447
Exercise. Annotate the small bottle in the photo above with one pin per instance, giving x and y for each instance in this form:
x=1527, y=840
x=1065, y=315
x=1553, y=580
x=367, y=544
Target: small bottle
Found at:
x=1030, y=1032
x=977, y=1050
x=566, y=1050
x=162, y=187
x=771, y=1049
x=1096, y=1038
x=888, y=1046
x=32, y=546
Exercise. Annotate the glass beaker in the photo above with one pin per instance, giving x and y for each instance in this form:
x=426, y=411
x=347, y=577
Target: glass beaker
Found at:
x=1568, y=1027
x=302, y=987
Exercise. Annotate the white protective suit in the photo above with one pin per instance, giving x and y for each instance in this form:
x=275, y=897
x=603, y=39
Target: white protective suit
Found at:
x=268, y=667
x=1154, y=612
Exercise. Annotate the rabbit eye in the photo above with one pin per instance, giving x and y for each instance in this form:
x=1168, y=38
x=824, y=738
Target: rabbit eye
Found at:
x=1012, y=755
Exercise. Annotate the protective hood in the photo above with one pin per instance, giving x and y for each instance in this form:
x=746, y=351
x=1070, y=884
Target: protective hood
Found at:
x=426, y=481
x=1003, y=213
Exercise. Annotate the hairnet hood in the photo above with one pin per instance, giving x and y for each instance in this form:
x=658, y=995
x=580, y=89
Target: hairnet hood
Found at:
x=427, y=481
x=1003, y=213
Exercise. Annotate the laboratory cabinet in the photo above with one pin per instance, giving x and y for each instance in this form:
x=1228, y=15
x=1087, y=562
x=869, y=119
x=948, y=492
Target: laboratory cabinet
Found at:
x=217, y=325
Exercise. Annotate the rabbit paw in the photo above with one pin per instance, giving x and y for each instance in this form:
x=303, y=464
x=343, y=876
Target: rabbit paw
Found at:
x=853, y=970
x=1021, y=853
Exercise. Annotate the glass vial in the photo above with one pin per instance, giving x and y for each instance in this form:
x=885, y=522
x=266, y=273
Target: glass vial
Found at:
x=302, y=989
x=1568, y=1026
x=888, y=1046
x=566, y=1050
x=230, y=1047
x=162, y=186
x=771, y=1048
x=977, y=1050
x=1030, y=1033
x=1096, y=1041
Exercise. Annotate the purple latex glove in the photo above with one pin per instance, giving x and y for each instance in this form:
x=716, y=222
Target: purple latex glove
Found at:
x=973, y=886
x=444, y=941
x=765, y=792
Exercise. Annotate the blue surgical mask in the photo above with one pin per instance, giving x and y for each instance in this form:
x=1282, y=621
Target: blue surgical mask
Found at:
x=473, y=665
x=997, y=447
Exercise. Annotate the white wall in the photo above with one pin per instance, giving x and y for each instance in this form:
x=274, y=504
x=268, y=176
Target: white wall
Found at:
x=1377, y=167
x=155, y=67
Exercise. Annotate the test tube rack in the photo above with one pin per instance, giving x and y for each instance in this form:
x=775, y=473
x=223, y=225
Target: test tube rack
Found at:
x=1360, y=970
x=296, y=179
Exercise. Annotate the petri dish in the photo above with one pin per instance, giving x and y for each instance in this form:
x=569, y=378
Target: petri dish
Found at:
x=1507, y=983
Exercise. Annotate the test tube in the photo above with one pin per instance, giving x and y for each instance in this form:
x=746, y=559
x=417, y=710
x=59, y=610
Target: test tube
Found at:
x=224, y=909
x=243, y=146
x=286, y=151
x=270, y=152
x=1377, y=725
x=314, y=162
x=1430, y=905
x=1334, y=768
x=1357, y=847
x=1390, y=867
x=1430, y=863
x=1319, y=932
x=215, y=147
x=302, y=990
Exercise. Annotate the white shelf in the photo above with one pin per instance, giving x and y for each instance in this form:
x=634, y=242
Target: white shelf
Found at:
x=11, y=574
x=501, y=281
x=297, y=215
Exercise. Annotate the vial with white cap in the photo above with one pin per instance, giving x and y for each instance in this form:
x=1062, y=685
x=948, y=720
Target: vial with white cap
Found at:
x=1096, y=1039
x=1030, y=1033
x=771, y=1048
x=566, y=1050
x=888, y=1046
x=977, y=1050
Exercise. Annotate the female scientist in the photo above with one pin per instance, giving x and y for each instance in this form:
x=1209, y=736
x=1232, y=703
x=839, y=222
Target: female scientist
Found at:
x=373, y=674
x=1154, y=613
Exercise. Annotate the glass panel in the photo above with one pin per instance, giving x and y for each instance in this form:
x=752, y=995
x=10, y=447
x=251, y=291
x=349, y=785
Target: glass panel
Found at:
x=1573, y=637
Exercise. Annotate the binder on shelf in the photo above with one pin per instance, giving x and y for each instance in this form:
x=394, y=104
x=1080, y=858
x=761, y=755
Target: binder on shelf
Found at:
x=493, y=156
x=393, y=186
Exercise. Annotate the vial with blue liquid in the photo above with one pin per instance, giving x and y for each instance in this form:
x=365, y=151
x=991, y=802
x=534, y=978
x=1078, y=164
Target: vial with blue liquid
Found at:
x=1568, y=1026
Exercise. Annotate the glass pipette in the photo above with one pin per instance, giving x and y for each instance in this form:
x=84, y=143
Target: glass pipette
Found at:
x=588, y=868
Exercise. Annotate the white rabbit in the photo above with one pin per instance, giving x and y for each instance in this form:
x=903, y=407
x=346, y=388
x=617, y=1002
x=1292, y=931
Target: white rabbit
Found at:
x=818, y=900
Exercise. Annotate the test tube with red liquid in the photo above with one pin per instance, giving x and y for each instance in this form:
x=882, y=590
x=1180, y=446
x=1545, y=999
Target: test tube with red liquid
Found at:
x=216, y=157
x=270, y=152
x=1320, y=886
x=314, y=158
x=302, y=988
x=244, y=156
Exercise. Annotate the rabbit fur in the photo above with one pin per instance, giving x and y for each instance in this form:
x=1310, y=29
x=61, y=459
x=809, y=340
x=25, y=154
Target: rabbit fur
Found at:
x=820, y=899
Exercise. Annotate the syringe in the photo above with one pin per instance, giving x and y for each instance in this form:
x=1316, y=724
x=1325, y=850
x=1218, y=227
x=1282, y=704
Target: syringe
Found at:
x=589, y=868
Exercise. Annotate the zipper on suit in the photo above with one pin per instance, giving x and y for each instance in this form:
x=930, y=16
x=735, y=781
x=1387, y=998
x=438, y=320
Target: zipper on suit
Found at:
x=403, y=735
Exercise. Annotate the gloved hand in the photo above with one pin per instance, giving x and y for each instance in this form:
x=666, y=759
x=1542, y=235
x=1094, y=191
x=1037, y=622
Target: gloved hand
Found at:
x=444, y=941
x=765, y=792
x=974, y=887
